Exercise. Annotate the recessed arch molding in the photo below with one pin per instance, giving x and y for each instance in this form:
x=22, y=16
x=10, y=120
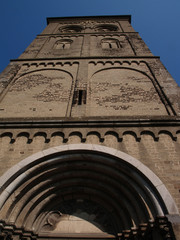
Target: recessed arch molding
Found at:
x=101, y=188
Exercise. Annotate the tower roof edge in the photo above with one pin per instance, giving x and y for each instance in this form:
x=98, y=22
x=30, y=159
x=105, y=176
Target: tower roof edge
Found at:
x=122, y=17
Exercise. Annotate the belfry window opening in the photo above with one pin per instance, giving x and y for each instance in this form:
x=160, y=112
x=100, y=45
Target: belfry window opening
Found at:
x=63, y=44
x=79, y=97
x=110, y=43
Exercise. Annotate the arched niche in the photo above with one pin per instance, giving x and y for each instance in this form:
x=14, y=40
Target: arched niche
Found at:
x=71, y=29
x=82, y=189
x=63, y=44
x=110, y=43
x=106, y=28
x=123, y=92
x=39, y=93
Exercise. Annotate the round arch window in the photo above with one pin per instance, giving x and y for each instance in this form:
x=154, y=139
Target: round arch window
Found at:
x=106, y=28
x=63, y=44
x=71, y=29
x=109, y=43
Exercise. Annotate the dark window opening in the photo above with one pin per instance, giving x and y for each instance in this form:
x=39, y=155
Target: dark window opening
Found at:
x=63, y=44
x=109, y=43
x=79, y=97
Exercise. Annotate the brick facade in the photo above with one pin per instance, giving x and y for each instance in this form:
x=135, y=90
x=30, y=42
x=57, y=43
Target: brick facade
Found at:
x=91, y=80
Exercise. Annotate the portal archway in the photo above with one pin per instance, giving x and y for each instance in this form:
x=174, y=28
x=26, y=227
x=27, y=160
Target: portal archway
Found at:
x=82, y=189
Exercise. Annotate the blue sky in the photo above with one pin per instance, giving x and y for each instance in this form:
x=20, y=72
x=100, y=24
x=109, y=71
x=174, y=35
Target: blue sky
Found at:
x=157, y=21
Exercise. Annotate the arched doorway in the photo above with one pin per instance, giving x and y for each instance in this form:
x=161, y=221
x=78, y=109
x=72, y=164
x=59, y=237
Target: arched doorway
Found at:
x=82, y=191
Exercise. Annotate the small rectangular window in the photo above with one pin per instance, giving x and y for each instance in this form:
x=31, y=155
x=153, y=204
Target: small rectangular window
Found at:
x=79, y=97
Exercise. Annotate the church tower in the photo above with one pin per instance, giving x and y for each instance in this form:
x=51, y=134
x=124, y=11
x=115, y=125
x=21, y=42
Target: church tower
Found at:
x=89, y=136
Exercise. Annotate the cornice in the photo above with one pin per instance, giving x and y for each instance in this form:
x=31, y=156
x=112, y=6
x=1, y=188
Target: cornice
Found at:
x=103, y=17
x=86, y=122
x=79, y=58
